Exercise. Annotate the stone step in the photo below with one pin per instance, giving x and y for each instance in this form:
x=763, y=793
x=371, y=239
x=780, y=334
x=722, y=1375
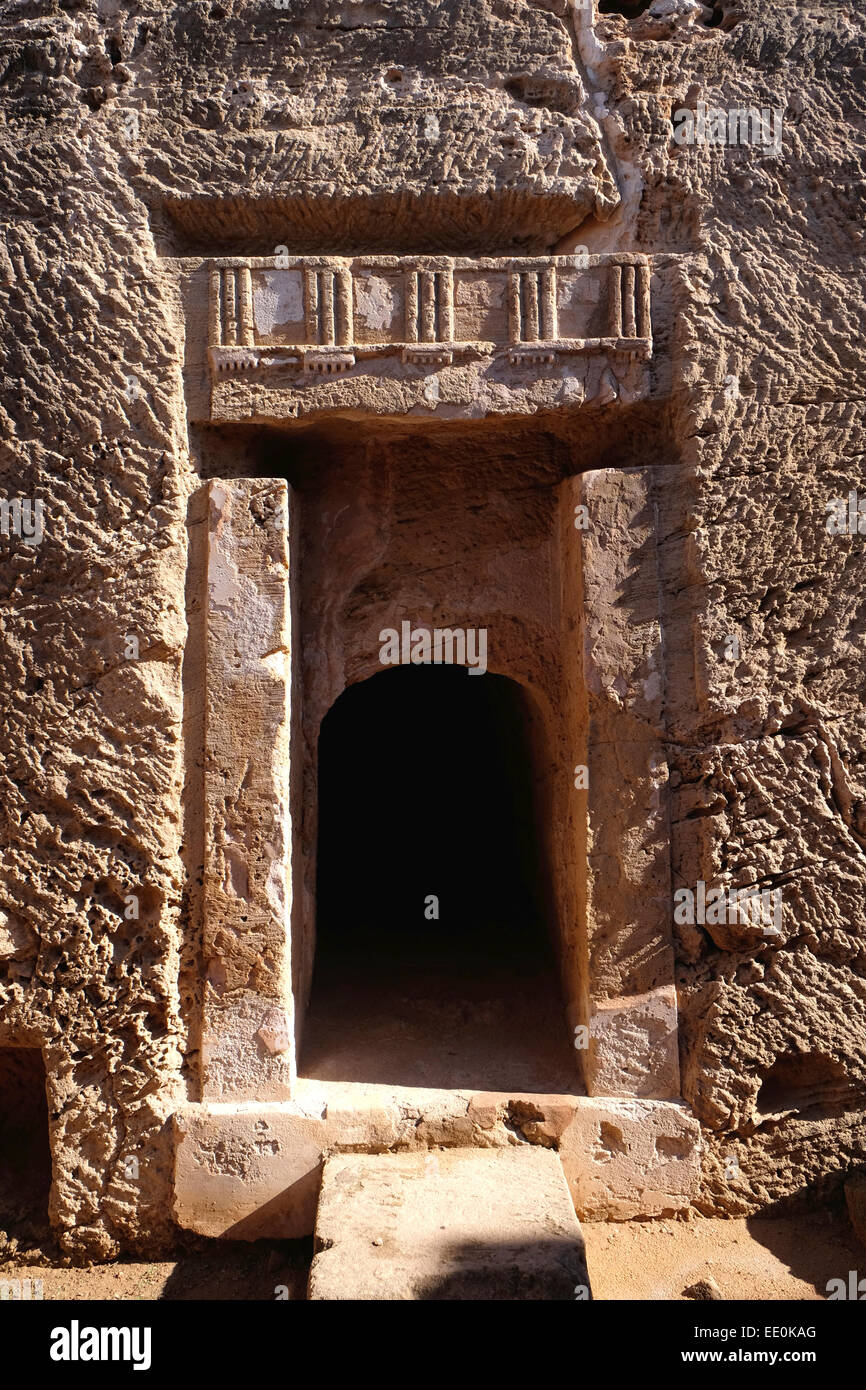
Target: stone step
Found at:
x=448, y=1224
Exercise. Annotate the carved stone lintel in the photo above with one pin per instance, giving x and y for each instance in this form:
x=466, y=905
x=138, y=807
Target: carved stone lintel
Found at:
x=296, y=320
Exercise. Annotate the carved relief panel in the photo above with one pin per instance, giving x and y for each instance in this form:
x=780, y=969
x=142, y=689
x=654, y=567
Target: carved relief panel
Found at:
x=279, y=326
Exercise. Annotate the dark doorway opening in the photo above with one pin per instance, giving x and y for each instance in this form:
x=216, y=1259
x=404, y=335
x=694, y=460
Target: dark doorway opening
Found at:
x=434, y=960
x=25, y=1151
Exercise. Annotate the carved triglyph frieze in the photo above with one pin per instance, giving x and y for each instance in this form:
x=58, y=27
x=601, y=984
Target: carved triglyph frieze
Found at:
x=325, y=317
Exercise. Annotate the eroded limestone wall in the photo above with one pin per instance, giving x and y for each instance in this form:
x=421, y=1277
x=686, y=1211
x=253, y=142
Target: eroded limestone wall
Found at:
x=281, y=114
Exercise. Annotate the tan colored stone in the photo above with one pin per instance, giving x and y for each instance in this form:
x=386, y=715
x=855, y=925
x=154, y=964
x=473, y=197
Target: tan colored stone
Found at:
x=242, y=1170
x=247, y=1175
x=630, y=1158
x=490, y=130
x=633, y=1049
x=448, y=1224
x=247, y=1040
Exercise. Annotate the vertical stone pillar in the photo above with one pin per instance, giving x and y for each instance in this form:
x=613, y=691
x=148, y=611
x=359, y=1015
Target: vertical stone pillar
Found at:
x=245, y=307
x=428, y=306
x=326, y=300
x=642, y=298
x=248, y=1034
x=628, y=306
x=628, y=907
x=215, y=308
x=614, y=301
x=412, y=306
x=230, y=322
x=345, y=311
x=445, y=297
x=311, y=304
x=514, y=316
x=530, y=306
x=549, y=326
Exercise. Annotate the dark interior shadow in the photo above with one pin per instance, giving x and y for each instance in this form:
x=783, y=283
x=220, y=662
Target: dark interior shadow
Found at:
x=434, y=960
x=25, y=1152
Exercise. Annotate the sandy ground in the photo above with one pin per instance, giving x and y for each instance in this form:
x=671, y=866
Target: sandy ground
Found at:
x=761, y=1258
x=264, y=1270
x=758, y=1259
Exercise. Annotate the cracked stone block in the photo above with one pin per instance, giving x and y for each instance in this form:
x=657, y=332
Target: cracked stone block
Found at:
x=250, y=1172
x=247, y=1174
x=630, y=1158
x=633, y=1047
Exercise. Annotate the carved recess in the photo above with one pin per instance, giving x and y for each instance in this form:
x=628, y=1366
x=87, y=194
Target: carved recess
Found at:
x=314, y=317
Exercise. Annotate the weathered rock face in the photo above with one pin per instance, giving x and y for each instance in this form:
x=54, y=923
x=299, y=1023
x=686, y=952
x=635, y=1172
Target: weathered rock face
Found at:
x=135, y=145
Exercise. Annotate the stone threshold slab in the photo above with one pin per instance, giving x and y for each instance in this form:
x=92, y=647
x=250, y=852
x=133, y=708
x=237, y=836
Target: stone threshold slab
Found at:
x=250, y=1171
x=485, y=1224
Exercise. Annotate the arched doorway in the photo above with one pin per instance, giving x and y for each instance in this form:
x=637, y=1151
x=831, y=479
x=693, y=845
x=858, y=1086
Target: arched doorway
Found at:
x=434, y=960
